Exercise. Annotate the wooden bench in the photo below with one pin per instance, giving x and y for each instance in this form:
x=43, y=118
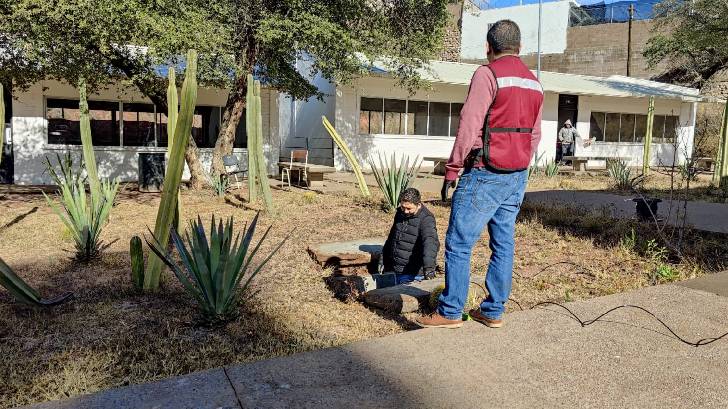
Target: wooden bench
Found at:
x=314, y=173
x=440, y=162
x=579, y=162
x=708, y=164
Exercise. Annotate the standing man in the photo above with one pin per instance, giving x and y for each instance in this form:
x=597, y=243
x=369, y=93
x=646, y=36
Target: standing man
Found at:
x=567, y=137
x=500, y=128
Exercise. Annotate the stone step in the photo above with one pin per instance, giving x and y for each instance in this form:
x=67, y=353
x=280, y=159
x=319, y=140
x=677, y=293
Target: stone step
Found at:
x=348, y=253
x=407, y=298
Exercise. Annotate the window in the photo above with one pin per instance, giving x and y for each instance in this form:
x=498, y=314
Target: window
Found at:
x=408, y=117
x=616, y=127
x=64, y=122
x=139, y=125
x=370, y=116
x=394, y=113
x=206, y=126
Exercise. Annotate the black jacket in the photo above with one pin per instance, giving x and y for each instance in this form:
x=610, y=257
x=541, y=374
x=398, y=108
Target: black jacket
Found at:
x=412, y=244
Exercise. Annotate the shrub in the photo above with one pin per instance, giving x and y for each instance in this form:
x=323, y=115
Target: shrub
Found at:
x=621, y=175
x=215, y=270
x=393, y=179
x=552, y=169
x=219, y=184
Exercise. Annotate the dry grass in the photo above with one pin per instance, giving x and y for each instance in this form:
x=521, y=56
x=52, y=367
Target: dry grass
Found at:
x=110, y=335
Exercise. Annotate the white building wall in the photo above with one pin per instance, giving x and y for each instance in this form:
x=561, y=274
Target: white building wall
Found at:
x=555, y=22
x=364, y=146
x=29, y=130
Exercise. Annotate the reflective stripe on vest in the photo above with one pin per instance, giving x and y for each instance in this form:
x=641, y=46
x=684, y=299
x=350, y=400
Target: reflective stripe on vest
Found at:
x=519, y=82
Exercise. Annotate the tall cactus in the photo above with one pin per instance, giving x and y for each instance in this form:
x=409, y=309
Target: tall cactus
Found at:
x=251, y=129
x=341, y=143
x=89, y=157
x=137, y=262
x=172, y=110
x=720, y=175
x=648, y=136
x=260, y=154
x=2, y=120
x=173, y=176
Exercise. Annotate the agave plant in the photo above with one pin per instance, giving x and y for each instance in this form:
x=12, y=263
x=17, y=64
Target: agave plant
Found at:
x=552, y=169
x=23, y=292
x=218, y=183
x=621, y=175
x=85, y=218
x=215, y=270
x=392, y=178
x=66, y=174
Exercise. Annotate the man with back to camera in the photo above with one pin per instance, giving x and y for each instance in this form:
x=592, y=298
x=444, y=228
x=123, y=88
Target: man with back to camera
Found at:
x=500, y=128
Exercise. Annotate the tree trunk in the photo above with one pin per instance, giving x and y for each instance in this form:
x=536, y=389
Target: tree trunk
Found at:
x=197, y=173
x=234, y=108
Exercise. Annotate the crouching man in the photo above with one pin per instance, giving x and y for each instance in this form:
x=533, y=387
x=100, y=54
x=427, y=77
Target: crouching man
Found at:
x=412, y=245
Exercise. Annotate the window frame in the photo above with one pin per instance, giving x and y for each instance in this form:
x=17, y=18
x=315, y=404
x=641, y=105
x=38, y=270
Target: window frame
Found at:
x=634, y=141
x=405, y=125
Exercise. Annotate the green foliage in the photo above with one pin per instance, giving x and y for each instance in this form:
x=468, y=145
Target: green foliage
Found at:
x=655, y=252
x=66, y=173
x=257, y=167
x=621, y=175
x=137, y=262
x=23, y=292
x=689, y=37
x=85, y=218
x=688, y=172
x=215, y=269
x=344, y=148
x=172, y=112
x=535, y=169
x=666, y=273
x=552, y=169
x=175, y=167
x=219, y=184
x=393, y=178
x=629, y=241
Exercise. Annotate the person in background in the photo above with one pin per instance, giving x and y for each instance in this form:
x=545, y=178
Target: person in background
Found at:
x=567, y=137
x=412, y=245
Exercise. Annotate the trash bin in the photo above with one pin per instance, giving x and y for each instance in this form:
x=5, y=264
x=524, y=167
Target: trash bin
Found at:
x=151, y=171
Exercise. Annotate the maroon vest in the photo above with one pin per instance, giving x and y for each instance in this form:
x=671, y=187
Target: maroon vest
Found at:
x=508, y=127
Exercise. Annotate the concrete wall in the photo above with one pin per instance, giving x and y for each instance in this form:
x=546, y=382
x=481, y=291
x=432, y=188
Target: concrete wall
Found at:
x=364, y=146
x=555, y=23
x=29, y=132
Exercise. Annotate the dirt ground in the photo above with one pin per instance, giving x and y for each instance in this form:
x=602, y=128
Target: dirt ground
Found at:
x=111, y=335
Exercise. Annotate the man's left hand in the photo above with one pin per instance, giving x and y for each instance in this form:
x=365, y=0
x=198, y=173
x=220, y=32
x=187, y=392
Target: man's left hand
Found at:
x=446, y=185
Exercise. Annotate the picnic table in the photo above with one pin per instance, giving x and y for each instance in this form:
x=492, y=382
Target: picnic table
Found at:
x=705, y=163
x=440, y=162
x=314, y=173
x=579, y=162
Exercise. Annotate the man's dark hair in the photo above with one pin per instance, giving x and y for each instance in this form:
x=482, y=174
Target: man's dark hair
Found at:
x=504, y=37
x=411, y=195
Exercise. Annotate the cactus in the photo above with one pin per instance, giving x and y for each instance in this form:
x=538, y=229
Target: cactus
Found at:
x=349, y=156
x=648, y=136
x=173, y=175
x=137, y=262
x=172, y=109
x=89, y=157
x=2, y=120
x=720, y=175
x=257, y=169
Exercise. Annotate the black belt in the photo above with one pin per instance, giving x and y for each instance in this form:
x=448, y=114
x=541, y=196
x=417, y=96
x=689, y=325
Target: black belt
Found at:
x=517, y=130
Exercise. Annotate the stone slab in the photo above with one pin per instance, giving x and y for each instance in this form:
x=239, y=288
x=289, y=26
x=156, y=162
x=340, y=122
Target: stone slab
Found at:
x=200, y=390
x=712, y=283
x=405, y=298
x=347, y=253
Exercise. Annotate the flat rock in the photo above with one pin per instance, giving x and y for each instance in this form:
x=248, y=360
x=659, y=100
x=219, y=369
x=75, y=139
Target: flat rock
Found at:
x=347, y=253
x=405, y=298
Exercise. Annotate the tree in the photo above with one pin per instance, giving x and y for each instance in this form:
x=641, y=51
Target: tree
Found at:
x=103, y=41
x=337, y=37
x=690, y=37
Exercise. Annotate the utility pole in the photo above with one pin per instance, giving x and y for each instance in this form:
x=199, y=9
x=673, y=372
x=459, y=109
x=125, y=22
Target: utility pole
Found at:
x=629, y=39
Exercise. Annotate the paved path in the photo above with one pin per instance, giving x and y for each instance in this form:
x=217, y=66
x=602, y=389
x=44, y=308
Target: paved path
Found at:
x=705, y=216
x=541, y=359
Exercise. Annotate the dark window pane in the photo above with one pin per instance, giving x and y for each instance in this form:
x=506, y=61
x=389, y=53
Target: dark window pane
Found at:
x=658, y=129
x=394, y=111
x=206, y=126
x=612, y=128
x=241, y=133
x=64, y=122
x=596, y=126
x=370, y=116
x=671, y=128
x=640, y=128
x=626, y=130
x=138, y=125
x=161, y=129
x=455, y=118
x=439, y=119
x=417, y=118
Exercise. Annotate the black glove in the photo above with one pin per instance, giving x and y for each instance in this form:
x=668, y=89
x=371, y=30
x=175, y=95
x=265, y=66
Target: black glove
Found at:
x=429, y=274
x=446, y=185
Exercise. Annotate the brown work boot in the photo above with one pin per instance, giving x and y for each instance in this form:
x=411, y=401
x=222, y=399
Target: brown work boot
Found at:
x=476, y=315
x=436, y=320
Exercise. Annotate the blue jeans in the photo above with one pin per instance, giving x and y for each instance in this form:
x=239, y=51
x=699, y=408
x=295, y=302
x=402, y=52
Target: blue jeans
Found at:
x=482, y=198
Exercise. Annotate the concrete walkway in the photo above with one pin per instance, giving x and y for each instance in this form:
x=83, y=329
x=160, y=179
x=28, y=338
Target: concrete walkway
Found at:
x=705, y=216
x=542, y=358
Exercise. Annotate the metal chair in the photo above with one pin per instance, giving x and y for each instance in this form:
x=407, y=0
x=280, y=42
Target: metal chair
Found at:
x=233, y=169
x=298, y=157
